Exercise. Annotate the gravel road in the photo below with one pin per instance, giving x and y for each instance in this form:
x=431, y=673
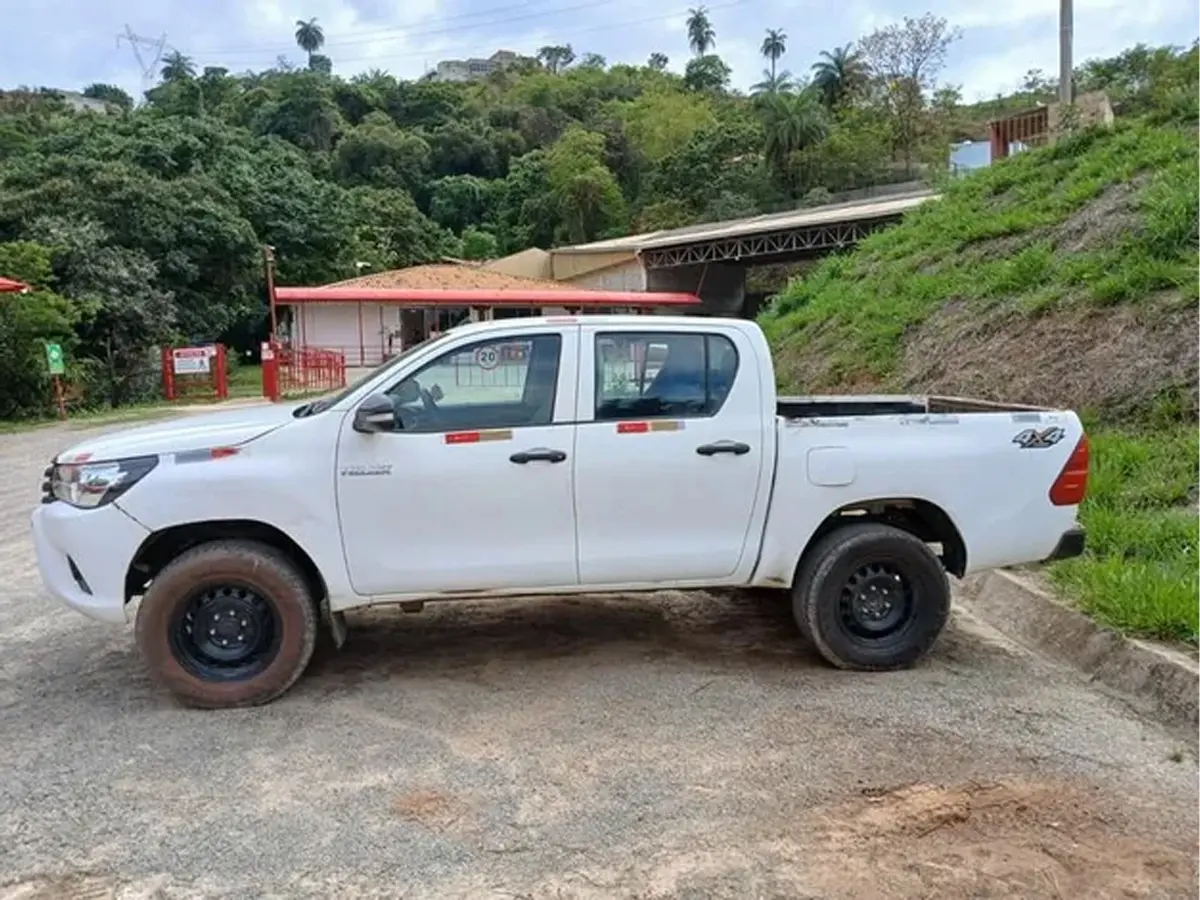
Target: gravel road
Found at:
x=681, y=745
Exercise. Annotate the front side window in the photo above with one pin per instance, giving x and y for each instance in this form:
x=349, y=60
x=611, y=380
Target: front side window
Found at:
x=662, y=374
x=496, y=383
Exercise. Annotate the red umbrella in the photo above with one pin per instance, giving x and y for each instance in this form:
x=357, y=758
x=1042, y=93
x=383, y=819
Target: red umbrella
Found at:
x=8, y=286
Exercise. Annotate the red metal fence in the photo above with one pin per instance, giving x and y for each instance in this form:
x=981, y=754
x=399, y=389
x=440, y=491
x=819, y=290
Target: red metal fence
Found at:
x=301, y=370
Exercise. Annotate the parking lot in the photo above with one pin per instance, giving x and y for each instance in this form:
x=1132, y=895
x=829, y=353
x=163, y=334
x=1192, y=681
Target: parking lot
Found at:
x=680, y=745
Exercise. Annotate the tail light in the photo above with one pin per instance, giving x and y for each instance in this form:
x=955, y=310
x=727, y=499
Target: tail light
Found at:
x=1070, y=486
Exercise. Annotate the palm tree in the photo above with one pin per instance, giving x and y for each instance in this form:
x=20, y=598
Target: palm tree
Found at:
x=838, y=74
x=774, y=45
x=773, y=83
x=701, y=35
x=177, y=67
x=791, y=122
x=310, y=37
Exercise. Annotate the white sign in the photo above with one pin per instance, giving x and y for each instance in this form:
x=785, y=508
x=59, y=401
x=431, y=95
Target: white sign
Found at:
x=487, y=357
x=191, y=360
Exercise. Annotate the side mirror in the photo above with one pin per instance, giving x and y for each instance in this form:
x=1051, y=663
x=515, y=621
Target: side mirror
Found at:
x=375, y=414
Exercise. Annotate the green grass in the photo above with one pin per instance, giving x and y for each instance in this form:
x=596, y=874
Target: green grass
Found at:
x=245, y=381
x=1139, y=573
x=1005, y=236
x=1103, y=218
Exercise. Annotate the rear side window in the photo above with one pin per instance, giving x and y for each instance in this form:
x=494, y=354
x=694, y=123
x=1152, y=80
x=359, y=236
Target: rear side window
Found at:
x=643, y=375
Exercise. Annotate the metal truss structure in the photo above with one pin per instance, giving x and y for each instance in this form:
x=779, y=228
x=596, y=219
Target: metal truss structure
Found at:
x=801, y=240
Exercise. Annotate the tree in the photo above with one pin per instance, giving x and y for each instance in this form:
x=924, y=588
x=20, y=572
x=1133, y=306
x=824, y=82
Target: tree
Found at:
x=657, y=61
x=109, y=93
x=838, y=74
x=310, y=37
x=791, y=122
x=556, y=57
x=708, y=74
x=773, y=83
x=701, y=36
x=593, y=61
x=914, y=50
x=904, y=61
x=774, y=45
x=177, y=67
x=589, y=199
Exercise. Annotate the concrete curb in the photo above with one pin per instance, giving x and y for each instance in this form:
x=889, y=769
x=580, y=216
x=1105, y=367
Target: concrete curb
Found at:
x=1163, y=682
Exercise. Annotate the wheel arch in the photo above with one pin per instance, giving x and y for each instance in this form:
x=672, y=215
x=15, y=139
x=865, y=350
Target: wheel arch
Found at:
x=166, y=544
x=920, y=518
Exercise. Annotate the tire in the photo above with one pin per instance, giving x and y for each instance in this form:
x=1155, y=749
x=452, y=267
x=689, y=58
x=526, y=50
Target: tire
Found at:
x=263, y=622
x=871, y=597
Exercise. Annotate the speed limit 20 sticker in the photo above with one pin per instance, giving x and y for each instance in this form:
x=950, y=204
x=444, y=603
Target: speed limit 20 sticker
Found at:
x=487, y=357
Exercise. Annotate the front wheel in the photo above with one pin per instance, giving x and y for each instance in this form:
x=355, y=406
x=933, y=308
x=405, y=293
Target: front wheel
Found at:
x=871, y=597
x=226, y=624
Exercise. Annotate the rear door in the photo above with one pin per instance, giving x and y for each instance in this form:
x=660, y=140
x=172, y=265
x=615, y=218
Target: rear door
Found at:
x=669, y=453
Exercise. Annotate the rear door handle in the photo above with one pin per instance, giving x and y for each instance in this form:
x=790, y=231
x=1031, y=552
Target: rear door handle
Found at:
x=538, y=454
x=737, y=448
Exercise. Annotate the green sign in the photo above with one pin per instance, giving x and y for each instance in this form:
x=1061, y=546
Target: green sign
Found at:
x=54, y=358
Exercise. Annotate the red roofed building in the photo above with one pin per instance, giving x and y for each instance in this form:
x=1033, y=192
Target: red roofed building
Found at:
x=373, y=317
x=9, y=286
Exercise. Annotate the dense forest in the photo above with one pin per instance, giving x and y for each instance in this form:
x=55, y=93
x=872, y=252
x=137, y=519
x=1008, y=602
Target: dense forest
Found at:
x=146, y=224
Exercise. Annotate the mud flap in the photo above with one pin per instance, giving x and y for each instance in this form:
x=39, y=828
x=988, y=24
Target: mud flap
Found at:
x=337, y=623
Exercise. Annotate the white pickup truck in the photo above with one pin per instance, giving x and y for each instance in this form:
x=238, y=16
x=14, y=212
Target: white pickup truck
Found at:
x=549, y=456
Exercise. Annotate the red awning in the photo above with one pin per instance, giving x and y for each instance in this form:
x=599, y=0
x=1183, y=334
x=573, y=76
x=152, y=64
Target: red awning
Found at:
x=484, y=298
x=8, y=286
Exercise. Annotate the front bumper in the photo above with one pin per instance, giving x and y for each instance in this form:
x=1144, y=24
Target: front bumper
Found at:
x=84, y=554
x=1069, y=545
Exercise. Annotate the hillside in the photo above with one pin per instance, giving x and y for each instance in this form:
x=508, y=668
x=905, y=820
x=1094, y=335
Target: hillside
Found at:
x=1062, y=276
x=1066, y=276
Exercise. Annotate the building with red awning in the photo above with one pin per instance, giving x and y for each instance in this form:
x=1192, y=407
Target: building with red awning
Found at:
x=371, y=318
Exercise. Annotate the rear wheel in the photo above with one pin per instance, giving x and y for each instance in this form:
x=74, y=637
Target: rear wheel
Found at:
x=229, y=623
x=871, y=597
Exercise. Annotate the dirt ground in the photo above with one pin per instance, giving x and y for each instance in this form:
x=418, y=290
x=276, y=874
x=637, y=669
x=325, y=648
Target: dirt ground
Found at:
x=676, y=746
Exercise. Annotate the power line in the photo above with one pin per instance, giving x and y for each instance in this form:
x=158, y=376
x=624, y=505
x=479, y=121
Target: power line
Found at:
x=371, y=35
x=604, y=27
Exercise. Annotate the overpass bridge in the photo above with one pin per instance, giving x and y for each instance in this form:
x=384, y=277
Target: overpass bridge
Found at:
x=711, y=260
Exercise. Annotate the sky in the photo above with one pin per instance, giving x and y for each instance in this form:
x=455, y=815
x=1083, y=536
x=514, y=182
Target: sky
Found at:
x=67, y=44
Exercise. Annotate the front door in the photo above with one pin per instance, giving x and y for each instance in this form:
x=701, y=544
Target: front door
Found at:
x=474, y=489
x=669, y=454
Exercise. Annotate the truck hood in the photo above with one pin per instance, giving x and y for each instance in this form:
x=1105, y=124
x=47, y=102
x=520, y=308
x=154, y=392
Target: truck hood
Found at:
x=190, y=432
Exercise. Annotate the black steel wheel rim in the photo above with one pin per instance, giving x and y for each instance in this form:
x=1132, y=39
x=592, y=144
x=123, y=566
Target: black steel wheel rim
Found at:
x=226, y=633
x=876, y=602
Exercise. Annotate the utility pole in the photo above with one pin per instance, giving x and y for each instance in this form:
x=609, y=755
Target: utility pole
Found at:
x=1066, y=72
x=269, y=269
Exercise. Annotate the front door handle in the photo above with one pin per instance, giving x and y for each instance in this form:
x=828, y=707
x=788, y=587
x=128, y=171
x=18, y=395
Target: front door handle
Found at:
x=737, y=448
x=537, y=454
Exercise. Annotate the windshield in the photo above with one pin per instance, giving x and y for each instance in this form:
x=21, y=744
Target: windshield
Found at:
x=325, y=403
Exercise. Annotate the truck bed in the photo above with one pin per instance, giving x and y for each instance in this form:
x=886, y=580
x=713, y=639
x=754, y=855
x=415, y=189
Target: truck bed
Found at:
x=887, y=405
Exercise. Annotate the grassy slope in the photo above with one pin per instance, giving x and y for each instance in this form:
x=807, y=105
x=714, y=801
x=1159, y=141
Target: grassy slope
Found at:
x=1032, y=238
x=995, y=238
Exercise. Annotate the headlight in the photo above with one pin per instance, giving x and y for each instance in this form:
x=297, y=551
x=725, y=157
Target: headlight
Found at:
x=91, y=484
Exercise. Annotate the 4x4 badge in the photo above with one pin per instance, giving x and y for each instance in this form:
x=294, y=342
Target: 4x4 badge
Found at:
x=1032, y=439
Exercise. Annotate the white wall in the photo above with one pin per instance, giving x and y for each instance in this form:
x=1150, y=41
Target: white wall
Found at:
x=629, y=276
x=335, y=326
